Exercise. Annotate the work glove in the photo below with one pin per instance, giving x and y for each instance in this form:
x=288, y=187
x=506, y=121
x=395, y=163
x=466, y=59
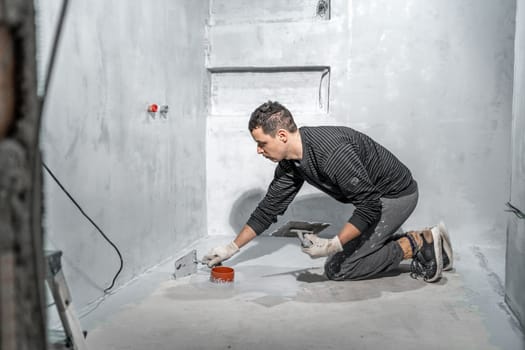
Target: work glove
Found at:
x=218, y=254
x=322, y=246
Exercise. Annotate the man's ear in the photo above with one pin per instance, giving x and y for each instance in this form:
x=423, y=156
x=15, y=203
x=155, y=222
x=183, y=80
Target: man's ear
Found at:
x=282, y=135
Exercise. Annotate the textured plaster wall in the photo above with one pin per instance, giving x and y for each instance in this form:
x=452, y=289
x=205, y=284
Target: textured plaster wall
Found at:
x=431, y=80
x=515, y=281
x=141, y=179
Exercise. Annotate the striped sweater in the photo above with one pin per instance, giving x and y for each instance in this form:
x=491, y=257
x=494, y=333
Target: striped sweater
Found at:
x=344, y=163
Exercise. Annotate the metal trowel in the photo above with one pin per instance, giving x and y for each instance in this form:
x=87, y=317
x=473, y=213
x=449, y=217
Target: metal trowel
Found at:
x=187, y=265
x=299, y=229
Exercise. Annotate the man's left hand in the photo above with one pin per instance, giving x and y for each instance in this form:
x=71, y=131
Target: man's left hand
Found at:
x=321, y=246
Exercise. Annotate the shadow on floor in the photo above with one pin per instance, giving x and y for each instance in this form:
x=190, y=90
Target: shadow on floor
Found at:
x=316, y=288
x=264, y=246
x=306, y=275
x=276, y=285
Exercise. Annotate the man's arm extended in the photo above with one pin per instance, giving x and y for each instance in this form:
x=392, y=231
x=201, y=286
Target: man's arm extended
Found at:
x=245, y=236
x=348, y=233
x=281, y=192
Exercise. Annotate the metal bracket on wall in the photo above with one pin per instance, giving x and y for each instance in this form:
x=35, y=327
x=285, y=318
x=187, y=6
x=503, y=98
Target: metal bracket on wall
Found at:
x=323, y=9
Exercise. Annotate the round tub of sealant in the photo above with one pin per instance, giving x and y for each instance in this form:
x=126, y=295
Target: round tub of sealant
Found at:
x=222, y=274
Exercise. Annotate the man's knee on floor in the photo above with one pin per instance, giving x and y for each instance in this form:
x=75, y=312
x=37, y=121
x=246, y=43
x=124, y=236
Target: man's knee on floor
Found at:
x=330, y=273
x=334, y=271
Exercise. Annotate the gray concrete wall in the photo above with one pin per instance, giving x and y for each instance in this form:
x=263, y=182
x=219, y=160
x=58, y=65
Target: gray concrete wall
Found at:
x=431, y=80
x=515, y=259
x=141, y=179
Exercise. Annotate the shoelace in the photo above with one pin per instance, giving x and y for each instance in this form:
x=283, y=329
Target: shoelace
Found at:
x=418, y=269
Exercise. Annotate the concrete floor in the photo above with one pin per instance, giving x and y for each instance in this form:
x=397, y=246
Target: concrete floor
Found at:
x=280, y=300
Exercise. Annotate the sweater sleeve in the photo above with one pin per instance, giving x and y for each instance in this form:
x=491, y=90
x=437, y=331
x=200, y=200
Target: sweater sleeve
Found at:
x=282, y=190
x=347, y=171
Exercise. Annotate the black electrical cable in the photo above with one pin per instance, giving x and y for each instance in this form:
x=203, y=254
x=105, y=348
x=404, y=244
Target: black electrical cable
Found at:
x=54, y=50
x=47, y=82
x=93, y=223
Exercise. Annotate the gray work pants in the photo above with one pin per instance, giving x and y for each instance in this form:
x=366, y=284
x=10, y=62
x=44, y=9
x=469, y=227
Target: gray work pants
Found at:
x=374, y=251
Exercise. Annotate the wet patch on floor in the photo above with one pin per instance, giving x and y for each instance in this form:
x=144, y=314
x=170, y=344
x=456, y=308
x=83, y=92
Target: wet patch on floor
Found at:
x=273, y=286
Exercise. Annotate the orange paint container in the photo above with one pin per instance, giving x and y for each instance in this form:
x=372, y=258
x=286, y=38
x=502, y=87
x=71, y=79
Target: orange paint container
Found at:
x=222, y=274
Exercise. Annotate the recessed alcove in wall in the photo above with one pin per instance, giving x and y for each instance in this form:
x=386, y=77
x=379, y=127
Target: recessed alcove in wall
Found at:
x=237, y=91
x=237, y=11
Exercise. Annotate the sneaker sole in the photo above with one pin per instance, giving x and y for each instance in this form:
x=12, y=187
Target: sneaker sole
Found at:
x=447, y=246
x=437, y=244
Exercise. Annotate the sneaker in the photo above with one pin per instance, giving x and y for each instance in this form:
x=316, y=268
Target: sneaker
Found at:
x=428, y=259
x=448, y=254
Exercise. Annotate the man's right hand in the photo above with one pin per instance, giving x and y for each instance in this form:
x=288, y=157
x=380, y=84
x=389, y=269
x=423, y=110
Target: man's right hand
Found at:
x=218, y=254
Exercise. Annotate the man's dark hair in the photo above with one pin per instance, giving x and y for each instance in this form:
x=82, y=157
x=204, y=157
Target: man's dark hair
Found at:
x=272, y=116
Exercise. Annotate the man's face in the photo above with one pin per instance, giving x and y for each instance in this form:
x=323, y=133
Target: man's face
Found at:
x=271, y=147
